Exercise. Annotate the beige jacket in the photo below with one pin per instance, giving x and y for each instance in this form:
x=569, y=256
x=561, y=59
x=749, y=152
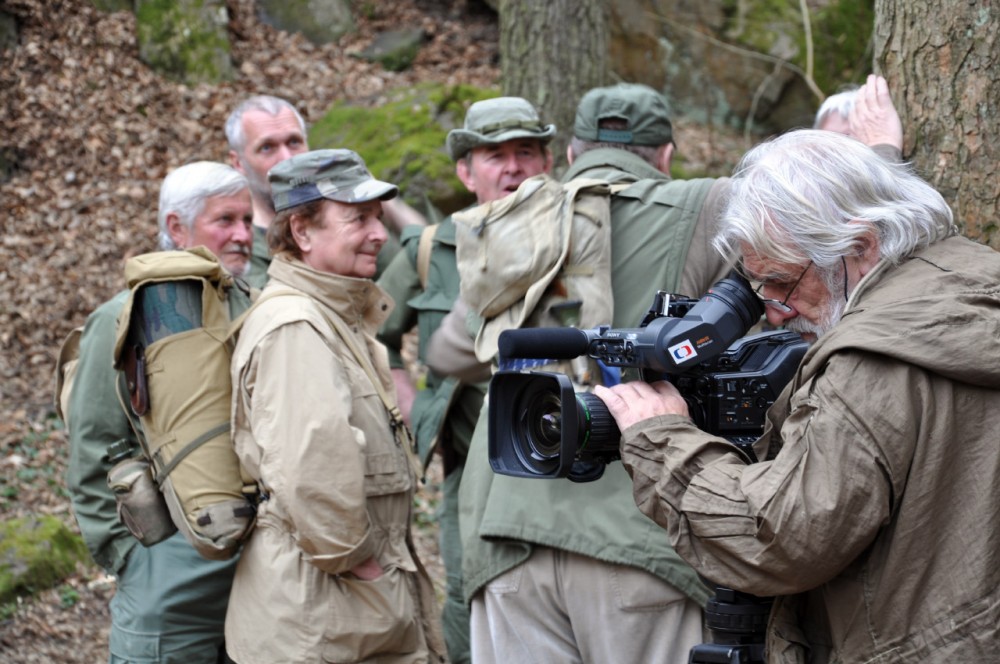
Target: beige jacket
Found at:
x=310, y=427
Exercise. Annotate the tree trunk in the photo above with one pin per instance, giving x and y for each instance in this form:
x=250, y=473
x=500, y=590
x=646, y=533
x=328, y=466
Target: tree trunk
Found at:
x=942, y=61
x=551, y=53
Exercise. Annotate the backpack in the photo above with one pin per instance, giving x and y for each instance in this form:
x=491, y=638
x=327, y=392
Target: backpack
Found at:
x=174, y=343
x=536, y=258
x=69, y=357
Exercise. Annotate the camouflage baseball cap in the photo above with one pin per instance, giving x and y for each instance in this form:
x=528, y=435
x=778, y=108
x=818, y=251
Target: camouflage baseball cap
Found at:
x=643, y=109
x=337, y=175
x=494, y=121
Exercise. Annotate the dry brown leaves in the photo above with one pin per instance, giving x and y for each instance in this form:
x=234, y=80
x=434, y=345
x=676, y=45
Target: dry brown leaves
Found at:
x=94, y=132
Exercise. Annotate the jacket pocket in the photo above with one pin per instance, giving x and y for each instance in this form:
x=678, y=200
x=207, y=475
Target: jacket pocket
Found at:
x=386, y=473
x=371, y=618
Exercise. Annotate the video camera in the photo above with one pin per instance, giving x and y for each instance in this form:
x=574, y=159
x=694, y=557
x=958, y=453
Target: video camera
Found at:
x=539, y=426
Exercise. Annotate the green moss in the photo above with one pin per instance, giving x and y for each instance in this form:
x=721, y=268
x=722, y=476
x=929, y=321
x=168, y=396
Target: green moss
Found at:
x=185, y=39
x=36, y=553
x=400, y=60
x=403, y=140
x=841, y=36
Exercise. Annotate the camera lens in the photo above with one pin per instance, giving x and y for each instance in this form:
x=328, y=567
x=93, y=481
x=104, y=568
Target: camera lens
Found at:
x=600, y=431
x=544, y=421
x=551, y=431
x=537, y=432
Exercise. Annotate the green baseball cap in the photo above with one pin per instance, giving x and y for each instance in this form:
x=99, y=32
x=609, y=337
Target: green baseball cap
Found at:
x=498, y=120
x=643, y=109
x=337, y=175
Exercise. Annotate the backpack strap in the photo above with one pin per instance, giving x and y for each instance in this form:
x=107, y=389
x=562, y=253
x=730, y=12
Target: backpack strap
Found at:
x=424, y=253
x=399, y=428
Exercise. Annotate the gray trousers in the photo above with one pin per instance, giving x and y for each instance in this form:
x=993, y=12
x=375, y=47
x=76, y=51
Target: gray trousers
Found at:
x=562, y=607
x=170, y=606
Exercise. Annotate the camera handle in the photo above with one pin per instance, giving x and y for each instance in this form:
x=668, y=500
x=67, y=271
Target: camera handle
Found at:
x=738, y=622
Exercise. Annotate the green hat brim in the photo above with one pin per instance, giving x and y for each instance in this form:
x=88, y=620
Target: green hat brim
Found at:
x=460, y=141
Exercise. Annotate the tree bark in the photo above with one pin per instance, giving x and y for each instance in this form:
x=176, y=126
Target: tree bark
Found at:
x=551, y=53
x=942, y=61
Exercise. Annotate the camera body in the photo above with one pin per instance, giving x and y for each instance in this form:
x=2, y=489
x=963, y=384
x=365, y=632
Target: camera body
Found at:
x=540, y=426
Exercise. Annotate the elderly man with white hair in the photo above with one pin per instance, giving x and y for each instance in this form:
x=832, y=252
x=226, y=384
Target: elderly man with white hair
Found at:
x=170, y=604
x=872, y=518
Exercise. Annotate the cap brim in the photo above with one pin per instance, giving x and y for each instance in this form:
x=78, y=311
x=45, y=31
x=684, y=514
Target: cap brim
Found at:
x=460, y=141
x=369, y=190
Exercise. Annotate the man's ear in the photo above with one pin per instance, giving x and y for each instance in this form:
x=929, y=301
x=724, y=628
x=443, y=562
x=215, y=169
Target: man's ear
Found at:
x=569, y=155
x=869, y=250
x=548, y=160
x=464, y=173
x=178, y=231
x=234, y=161
x=664, y=156
x=300, y=232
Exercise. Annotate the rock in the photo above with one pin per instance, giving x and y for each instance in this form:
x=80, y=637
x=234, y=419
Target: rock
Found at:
x=186, y=40
x=319, y=21
x=395, y=50
x=733, y=66
x=36, y=553
x=402, y=139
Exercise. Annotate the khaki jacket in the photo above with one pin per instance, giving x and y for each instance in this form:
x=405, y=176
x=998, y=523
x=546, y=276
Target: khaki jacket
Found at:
x=310, y=427
x=875, y=520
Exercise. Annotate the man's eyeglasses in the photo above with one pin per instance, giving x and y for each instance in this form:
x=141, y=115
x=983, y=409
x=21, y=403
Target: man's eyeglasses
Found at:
x=781, y=305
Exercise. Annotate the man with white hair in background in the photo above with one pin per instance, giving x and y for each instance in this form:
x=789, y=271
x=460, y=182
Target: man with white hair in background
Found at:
x=835, y=111
x=170, y=603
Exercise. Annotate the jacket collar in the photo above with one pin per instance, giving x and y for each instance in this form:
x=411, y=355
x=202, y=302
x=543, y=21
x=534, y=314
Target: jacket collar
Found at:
x=611, y=159
x=354, y=300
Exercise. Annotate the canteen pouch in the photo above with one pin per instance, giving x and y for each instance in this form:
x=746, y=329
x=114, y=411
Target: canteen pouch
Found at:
x=141, y=507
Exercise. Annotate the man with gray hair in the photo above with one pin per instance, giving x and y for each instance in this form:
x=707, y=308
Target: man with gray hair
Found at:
x=263, y=131
x=502, y=143
x=872, y=517
x=573, y=572
x=170, y=603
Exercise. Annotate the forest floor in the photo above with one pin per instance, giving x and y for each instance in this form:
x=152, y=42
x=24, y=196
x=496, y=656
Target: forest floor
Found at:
x=92, y=132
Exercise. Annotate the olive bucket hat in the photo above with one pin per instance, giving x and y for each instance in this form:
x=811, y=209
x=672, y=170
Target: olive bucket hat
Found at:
x=498, y=120
x=337, y=175
x=643, y=109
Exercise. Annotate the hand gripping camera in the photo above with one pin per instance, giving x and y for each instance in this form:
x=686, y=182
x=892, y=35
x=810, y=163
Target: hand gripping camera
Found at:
x=539, y=426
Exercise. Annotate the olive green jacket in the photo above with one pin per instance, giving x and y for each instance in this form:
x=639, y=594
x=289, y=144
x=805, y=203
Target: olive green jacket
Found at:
x=444, y=404
x=260, y=258
x=98, y=421
x=660, y=240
